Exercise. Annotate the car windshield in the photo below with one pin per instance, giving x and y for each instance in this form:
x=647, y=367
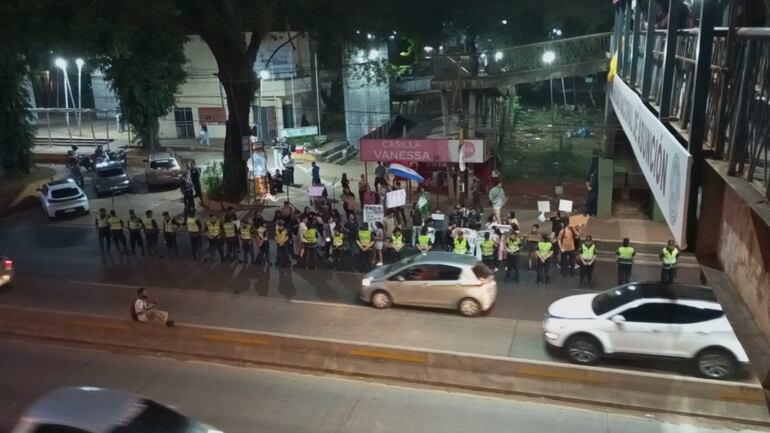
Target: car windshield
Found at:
x=149, y=416
x=111, y=172
x=611, y=299
x=163, y=164
x=64, y=192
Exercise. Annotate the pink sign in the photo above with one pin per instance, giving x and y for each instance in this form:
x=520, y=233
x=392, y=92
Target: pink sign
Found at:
x=421, y=150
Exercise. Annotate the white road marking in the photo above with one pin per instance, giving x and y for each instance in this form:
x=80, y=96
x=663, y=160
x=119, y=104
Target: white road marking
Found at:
x=327, y=304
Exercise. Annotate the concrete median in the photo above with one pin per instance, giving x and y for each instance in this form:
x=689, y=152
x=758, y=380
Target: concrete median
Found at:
x=601, y=386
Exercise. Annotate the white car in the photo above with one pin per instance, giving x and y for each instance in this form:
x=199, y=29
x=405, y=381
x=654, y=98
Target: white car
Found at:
x=63, y=197
x=648, y=318
x=98, y=410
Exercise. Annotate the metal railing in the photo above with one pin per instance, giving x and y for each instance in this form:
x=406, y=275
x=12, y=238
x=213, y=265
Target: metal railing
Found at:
x=569, y=51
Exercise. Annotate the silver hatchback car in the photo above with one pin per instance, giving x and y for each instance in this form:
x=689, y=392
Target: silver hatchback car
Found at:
x=438, y=280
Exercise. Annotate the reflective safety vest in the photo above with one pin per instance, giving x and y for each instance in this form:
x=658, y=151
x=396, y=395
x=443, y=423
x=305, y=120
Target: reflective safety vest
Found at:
x=461, y=246
x=134, y=223
x=670, y=257
x=148, y=224
x=626, y=255
x=337, y=240
x=544, y=247
x=398, y=241
x=213, y=228
x=115, y=223
x=170, y=226
x=487, y=247
x=365, y=236
x=588, y=252
x=192, y=225
x=102, y=221
x=423, y=241
x=281, y=236
x=229, y=228
x=262, y=233
x=245, y=231
x=512, y=246
x=310, y=236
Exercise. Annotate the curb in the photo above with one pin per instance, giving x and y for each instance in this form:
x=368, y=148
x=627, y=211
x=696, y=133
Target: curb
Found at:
x=594, y=385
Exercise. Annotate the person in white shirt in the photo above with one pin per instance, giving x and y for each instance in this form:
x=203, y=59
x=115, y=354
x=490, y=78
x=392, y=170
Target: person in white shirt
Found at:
x=144, y=310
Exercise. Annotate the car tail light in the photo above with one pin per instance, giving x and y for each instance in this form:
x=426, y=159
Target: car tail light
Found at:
x=8, y=265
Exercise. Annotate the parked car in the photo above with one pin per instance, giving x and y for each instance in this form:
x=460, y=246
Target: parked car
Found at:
x=647, y=318
x=63, y=197
x=110, y=177
x=6, y=271
x=437, y=279
x=98, y=410
x=162, y=170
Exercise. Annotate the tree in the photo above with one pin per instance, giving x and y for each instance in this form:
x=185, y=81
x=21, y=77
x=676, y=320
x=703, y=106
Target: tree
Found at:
x=17, y=131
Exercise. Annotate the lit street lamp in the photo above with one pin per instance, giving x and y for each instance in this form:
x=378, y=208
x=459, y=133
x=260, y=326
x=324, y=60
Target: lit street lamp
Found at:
x=548, y=59
x=498, y=56
x=79, y=62
x=62, y=64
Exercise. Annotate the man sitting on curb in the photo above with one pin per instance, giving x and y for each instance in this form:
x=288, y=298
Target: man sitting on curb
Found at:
x=144, y=310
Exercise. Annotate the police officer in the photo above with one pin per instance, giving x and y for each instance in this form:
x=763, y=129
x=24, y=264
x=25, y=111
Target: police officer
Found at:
x=170, y=226
x=365, y=244
x=214, y=234
x=135, y=226
x=397, y=243
x=231, y=237
x=195, y=230
x=282, y=244
x=669, y=257
x=309, y=243
x=544, y=253
x=626, y=255
x=460, y=244
x=587, y=257
x=245, y=233
x=103, y=230
x=488, y=251
x=116, y=229
x=264, y=244
x=423, y=241
x=151, y=233
x=338, y=240
x=512, y=247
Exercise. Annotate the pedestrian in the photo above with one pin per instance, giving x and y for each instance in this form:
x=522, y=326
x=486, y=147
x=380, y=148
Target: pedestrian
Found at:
x=195, y=230
x=488, y=251
x=135, y=232
x=245, y=234
x=151, y=233
x=512, y=247
x=476, y=193
x=304, y=122
x=315, y=173
x=231, y=238
x=214, y=235
x=116, y=230
x=399, y=210
x=282, y=245
x=348, y=201
x=195, y=176
x=365, y=245
x=567, y=241
x=544, y=253
x=309, y=244
x=288, y=168
x=379, y=175
x=397, y=244
x=423, y=241
x=460, y=243
x=363, y=186
x=592, y=194
x=587, y=257
x=625, y=255
x=143, y=310
x=379, y=242
x=344, y=181
x=351, y=232
x=103, y=231
x=513, y=221
x=170, y=227
x=532, y=239
x=498, y=199
x=203, y=137
x=669, y=257
x=263, y=242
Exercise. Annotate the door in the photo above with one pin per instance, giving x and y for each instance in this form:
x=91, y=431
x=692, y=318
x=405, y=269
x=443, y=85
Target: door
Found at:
x=694, y=329
x=288, y=116
x=648, y=329
x=409, y=286
x=266, y=121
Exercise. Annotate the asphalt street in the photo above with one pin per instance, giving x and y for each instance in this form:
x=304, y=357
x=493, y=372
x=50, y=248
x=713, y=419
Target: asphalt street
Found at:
x=240, y=399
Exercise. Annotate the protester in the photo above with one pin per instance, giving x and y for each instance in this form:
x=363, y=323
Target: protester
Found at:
x=143, y=310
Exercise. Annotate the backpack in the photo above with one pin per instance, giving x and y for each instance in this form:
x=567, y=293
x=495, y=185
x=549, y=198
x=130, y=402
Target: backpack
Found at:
x=134, y=316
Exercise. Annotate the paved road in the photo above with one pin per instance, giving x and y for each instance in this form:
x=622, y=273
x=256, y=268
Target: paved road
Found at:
x=240, y=400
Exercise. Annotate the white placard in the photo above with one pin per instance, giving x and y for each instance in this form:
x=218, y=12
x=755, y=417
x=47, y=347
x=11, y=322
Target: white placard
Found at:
x=504, y=228
x=438, y=216
x=541, y=217
x=544, y=206
x=373, y=213
x=315, y=191
x=396, y=198
x=565, y=205
x=421, y=202
x=664, y=161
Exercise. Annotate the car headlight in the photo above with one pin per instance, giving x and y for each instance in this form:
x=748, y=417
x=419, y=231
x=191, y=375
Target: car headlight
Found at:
x=125, y=182
x=366, y=282
x=551, y=335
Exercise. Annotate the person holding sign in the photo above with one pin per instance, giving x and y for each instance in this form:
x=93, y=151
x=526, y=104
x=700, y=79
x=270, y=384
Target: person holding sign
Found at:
x=397, y=243
x=365, y=245
x=512, y=247
x=587, y=257
x=544, y=253
x=423, y=241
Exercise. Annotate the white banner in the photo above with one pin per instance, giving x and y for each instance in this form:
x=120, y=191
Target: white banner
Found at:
x=664, y=161
x=373, y=213
x=396, y=198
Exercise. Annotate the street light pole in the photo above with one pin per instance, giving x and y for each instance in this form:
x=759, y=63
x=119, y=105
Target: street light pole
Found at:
x=80, y=63
x=62, y=64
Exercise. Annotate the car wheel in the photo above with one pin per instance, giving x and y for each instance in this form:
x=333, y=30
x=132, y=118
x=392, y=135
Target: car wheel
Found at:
x=583, y=349
x=469, y=307
x=716, y=364
x=381, y=300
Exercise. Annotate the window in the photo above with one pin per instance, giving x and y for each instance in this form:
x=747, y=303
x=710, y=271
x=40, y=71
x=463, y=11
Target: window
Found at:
x=185, y=127
x=414, y=273
x=111, y=172
x=153, y=417
x=163, y=164
x=653, y=312
x=429, y=273
x=611, y=299
x=447, y=273
x=686, y=314
x=56, y=428
x=288, y=116
x=64, y=193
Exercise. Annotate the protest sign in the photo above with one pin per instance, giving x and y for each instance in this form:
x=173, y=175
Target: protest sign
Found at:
x=373, y=213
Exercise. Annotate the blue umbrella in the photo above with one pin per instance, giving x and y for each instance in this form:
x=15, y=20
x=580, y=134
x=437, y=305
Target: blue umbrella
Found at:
x=400, y=170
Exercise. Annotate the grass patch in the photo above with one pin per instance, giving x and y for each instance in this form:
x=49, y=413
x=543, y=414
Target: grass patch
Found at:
x=12, y=186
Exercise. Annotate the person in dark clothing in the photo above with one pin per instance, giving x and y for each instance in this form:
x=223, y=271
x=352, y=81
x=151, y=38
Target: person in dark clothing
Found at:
x=304, y=122
x=351, y=231
x=315, y=174
x=195, y=176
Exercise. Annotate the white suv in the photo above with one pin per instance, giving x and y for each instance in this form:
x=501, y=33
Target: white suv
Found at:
x=63, y=197
x=647, y=318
